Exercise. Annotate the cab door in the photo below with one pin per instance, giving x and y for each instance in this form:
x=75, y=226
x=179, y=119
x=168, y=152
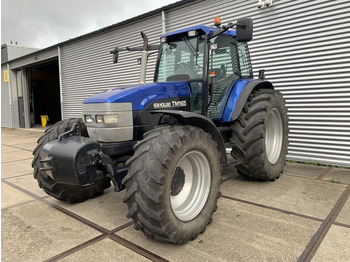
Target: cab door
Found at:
x=224, y=71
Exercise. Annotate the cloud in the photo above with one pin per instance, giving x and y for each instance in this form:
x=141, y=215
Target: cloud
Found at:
x=41, y=23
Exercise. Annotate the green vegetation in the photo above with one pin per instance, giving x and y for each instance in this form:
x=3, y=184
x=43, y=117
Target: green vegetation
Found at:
x=315, y=163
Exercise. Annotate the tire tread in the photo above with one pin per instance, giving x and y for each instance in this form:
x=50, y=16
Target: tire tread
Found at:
x=248, y=136
x=143, y=197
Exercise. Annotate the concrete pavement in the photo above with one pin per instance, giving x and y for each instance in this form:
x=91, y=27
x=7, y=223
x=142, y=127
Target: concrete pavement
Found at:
x=303, y=216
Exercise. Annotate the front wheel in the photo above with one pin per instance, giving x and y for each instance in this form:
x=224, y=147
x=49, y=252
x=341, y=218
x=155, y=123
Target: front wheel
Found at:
x=260, y=136
x=173, y=182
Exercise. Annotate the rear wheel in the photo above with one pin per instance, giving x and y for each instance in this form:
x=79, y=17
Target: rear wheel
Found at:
x=260, y=136
x=65, y=192
x=173, y=182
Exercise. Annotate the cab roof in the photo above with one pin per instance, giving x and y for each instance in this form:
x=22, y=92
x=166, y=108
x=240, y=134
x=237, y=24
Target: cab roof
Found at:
x=204, y=28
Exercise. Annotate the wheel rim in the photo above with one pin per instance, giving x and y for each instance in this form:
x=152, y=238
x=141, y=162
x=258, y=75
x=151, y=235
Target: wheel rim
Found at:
x=274, y=136
x=190, y=185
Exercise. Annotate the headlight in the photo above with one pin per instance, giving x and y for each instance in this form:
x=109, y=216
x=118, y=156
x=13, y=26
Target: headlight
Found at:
x=192, y=33
x=89, y=119
x=99, y=119
x=107, y=119
x=111, y=119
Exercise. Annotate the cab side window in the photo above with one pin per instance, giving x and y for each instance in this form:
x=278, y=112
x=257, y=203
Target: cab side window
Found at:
x=244, y=60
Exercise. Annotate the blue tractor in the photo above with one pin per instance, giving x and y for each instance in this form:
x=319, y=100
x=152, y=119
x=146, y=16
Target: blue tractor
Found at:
x=165, y=142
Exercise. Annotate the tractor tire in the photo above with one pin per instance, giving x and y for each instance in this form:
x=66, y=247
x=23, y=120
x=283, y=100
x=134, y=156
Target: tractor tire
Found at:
x=172, y=186
x=260, y=136
x=65, y=192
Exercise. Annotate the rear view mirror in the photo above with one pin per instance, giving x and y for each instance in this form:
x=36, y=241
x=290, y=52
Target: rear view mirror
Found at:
x=244, y=29
x=115, y=54
x=115, y=57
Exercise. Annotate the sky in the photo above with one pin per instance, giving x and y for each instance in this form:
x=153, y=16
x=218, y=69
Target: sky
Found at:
x=42, y=23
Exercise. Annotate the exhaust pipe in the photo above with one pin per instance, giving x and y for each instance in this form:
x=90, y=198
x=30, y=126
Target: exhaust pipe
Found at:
x=144, y=58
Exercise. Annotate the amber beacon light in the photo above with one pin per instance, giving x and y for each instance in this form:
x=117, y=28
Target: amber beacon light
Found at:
x=217, y=21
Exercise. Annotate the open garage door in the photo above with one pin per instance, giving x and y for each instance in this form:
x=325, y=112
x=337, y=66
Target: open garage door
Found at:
x=44, y=93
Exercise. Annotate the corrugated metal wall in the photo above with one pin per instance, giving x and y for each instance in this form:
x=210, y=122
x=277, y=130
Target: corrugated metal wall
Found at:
x=87, y=65
x=6, y=116
x=303, y=45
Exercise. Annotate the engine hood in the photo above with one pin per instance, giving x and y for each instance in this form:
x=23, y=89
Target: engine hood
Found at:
x=142, y=95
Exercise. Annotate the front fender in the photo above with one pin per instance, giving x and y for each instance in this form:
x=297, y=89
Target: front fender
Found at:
x=189, y=118
x=239, y=95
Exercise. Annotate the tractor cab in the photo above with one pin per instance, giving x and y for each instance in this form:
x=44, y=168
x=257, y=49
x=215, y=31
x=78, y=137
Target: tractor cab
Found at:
x=211, y=63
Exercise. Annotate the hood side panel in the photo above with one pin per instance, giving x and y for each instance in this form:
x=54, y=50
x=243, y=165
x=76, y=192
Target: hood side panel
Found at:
x=142, y=95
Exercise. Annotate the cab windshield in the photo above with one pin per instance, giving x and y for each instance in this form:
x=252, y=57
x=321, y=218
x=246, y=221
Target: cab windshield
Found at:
x=181, y=59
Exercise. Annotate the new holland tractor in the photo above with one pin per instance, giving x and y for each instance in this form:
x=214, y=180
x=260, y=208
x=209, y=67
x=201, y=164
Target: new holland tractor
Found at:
x=165, y=142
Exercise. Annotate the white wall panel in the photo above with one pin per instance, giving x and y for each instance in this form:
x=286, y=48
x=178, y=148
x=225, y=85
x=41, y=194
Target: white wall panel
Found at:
x=35, y=58
x=6, y=113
